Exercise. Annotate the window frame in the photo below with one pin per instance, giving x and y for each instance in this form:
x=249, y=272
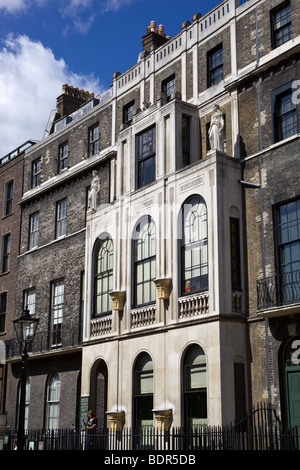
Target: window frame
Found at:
x=285, y=277
x=8, y=198
x=57, y=313
x=276, y=95
x=139, y=398
x=235, y=252
x=128, y=111
x=63, y=155
x=5, y=253
x=36, y=173
x=186, y=121
x=190, y=392
x=3, y=310
x=102, y=275
x=53, y=401
x=141, y=265
x=61, y=218
x=34, y=230
x=276, y=30
x=168, y=86
x=213, y=70
x=145, y=153
x=186, y=247
x=94, y=140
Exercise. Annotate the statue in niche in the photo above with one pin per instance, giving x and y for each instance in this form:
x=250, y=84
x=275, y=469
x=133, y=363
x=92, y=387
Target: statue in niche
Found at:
x=215, y=130
x=94, y=191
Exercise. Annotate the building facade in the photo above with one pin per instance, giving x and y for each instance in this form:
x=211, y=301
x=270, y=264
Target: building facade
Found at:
x=158, y=240
x=11, y=184
x=141, y=347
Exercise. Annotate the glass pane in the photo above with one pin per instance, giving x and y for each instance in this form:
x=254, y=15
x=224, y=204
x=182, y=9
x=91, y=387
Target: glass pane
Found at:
x=139, y=294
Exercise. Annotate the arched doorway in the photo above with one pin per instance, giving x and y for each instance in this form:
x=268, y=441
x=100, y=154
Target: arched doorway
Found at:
x=143, y=392
x=292, y=381
x=194, y=388
x=98, y=398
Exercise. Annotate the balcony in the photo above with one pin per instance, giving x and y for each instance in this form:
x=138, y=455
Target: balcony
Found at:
x=46, y=341
x=193, y=305
x=278, y=290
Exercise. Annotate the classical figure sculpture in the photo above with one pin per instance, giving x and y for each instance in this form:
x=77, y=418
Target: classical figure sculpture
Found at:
x=94, y=191
x=215, y=130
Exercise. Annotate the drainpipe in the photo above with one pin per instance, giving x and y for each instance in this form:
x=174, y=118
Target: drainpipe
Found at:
x=261, y=212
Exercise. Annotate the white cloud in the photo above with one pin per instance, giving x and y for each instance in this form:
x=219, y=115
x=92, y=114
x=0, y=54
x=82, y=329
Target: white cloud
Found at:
x=16, y=6
x=31, y=79
x=115, y=5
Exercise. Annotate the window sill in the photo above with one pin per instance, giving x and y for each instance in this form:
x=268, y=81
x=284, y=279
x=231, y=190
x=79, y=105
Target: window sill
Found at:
x=5, y=273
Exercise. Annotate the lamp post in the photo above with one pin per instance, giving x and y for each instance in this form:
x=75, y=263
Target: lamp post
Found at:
x=25, y=327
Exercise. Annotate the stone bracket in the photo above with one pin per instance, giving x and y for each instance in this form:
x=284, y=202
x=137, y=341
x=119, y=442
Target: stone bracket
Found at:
x=163, y=419
x=163, y=287
x=116, y=420
x=118, y=299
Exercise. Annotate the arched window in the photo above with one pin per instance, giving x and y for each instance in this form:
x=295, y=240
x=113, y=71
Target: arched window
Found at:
x=194, y=253
x=195, y=393
x=52, y=404
x=98, y=397
x=103, y=280
x=144, y=262
x=143, y=391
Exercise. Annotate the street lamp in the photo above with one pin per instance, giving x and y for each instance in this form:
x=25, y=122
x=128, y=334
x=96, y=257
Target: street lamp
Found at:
x=25, y=327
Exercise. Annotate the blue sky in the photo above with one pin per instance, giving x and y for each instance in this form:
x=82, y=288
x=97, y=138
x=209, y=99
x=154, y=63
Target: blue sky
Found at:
x=45, y=43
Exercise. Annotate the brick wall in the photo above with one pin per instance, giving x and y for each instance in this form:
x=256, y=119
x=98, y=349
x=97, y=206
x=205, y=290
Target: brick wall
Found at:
x=77, y=138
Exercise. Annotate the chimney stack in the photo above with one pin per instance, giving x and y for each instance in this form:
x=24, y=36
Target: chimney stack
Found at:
x=71, y=99
x=155, y=37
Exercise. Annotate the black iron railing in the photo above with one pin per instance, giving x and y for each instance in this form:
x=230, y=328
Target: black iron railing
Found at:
x=50, y=340
x=278, y=290
x=261, y=430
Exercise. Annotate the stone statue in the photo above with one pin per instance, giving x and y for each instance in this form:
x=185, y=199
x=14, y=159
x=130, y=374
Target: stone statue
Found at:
x=94, y=191
x=215, y=130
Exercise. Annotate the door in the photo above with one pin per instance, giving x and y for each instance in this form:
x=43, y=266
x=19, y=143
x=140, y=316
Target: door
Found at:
x=293, y=383
x=292, y=377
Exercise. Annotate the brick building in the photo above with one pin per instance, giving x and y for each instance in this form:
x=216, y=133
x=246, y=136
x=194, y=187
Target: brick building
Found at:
x=147, y=288
x=50, y=271
x=11, y=184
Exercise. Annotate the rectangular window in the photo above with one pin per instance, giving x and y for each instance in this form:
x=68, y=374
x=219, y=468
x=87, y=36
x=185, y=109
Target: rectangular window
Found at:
x=186, y=140
x=288, y=239
x=93, y=140
x=57, y=305
x=145, y=154
x=33, y=231
x=3, y=302
x=61, y=218
x=6, y=242
x=128, y=113
x=29, y=302
x=215, y=66
x=285, y=115
x=168, y=86
x=281, y=19
x=36, y=173
x=9, y=193
x=235, y=253
x=63, y=152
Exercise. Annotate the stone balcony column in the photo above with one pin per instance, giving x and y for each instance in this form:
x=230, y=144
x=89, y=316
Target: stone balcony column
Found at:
x=116, y=420
x=163, y=288
x=118, y=298
x=163, y=419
